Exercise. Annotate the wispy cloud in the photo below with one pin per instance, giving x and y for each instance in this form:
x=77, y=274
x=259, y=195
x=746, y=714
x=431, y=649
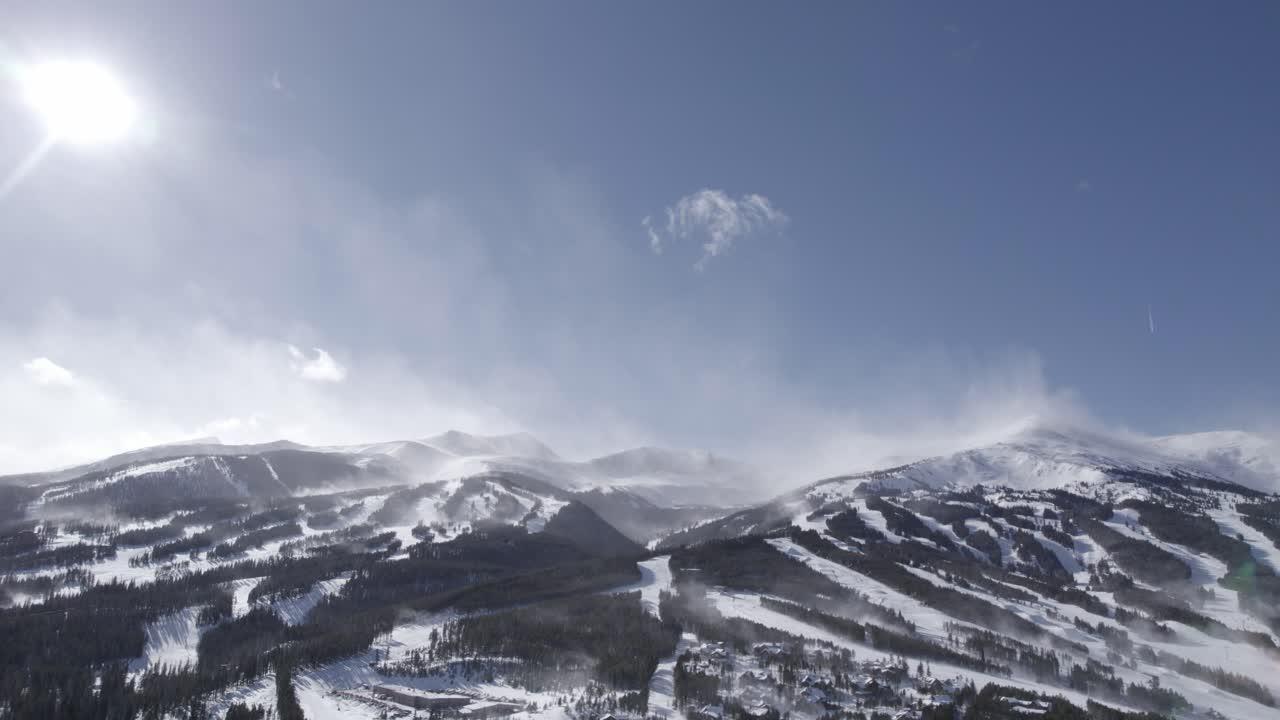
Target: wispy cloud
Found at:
x=1083, y=185
x=655, y=240
x=718, y=219
x=321, y=368
x=44, y=371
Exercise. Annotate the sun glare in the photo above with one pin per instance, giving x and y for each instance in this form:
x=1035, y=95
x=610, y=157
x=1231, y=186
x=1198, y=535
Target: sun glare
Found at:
x=80, y=102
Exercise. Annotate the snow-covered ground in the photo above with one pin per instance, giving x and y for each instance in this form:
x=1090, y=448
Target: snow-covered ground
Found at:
x=152, y=468
x=1191, y=644
x=1066, y=556
x=875, y=519
x=240, y=590
x=655, y=576
x=171, y=641
x=294, y=610
x=321, y=702
x=928, y=622
x=748, y=606
x=320, y=689
x=1232, y=525
x=662, y=685
x=1205, y=571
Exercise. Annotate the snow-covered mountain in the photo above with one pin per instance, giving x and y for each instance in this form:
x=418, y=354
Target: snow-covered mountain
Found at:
x=1251, y=459
x=1041, y=457
x=644, y=492
x=663, y=477
x=1057, y=567
x=1035, y=457
x=640, y=481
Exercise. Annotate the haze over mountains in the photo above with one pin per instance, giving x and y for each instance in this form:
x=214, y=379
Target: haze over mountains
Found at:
x=1032, y=452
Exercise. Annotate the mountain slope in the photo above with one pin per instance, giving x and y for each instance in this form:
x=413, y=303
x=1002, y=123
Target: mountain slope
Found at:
x=1164, y=572
x=1049, y=575
x=1044, y=457
x=645, y=492
x=1249, y=459
x=1034, y=459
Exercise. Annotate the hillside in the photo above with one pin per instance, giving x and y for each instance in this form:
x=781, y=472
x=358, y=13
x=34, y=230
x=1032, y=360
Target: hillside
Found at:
x=1054, y=574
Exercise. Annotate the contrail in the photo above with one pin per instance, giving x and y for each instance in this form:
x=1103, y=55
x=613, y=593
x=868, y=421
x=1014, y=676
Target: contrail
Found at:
x=28, y=164
x=1151, y=320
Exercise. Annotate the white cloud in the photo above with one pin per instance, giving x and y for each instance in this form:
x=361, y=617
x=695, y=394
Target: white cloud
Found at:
x=655, y=240
x=44, y=371
x=719, y=219
x=321, y=368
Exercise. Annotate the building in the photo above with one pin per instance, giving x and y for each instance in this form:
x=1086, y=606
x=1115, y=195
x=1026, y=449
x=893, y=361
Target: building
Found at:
x=420, y=700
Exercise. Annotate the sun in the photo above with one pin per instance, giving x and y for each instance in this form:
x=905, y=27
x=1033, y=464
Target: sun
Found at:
x=80, y=102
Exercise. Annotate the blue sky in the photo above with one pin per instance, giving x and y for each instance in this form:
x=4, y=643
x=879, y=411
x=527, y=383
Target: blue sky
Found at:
x=970, y=210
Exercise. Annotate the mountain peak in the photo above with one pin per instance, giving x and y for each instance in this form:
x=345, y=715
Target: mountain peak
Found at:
x=519, y=444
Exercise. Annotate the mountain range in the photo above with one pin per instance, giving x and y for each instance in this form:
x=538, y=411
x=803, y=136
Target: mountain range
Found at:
x=1061, y=570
